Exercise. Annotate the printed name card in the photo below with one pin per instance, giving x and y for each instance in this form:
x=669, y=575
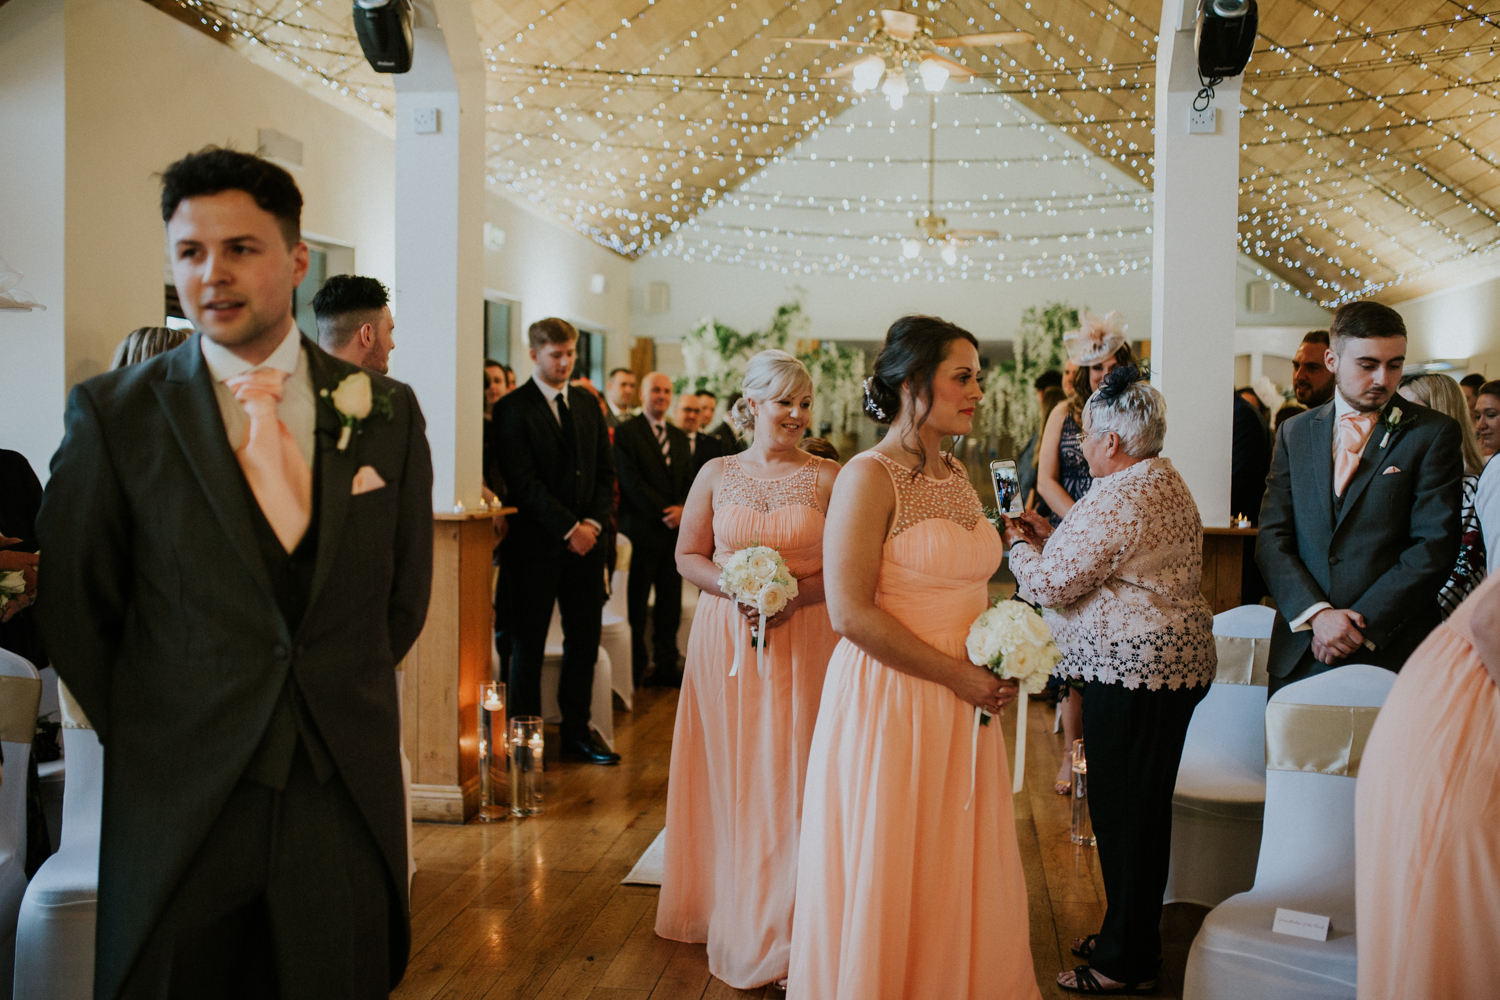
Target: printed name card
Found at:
x=1298, y=924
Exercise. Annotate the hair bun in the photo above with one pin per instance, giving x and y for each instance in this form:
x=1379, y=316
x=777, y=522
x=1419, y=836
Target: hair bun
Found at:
x=880, y=403
x=1119, y=380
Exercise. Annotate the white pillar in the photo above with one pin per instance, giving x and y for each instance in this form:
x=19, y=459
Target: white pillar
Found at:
x=439, y=294
x=1192, y=267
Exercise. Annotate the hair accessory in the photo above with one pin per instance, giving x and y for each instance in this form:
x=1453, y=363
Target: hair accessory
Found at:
x=1118, y=381
x=1096, y=338
x=870, y=403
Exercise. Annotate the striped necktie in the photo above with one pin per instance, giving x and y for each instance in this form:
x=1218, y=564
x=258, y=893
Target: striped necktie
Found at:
x=661, y=439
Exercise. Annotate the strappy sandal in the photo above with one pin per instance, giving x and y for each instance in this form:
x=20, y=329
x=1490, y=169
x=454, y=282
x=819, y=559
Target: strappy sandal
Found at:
x=1084, y=948
x=1086, y=982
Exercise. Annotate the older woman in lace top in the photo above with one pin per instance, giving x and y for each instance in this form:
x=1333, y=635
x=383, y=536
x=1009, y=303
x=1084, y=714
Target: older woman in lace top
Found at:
x=1120, y=581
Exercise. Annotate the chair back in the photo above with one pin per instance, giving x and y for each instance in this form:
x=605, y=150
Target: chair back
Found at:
x=20, y=692
x=1227, y=735
x=83, y=792
x=1315, y=737
x=615, y=608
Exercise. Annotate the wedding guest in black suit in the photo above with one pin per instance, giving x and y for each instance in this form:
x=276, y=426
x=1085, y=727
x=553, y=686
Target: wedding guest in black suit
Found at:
x=728, y=437
x=688, y=416
x=20, y=498
x=226, y=592
x=655, y=475
x=559, y=474
x=354, y=321
x=619, y=396
x=1359, y=529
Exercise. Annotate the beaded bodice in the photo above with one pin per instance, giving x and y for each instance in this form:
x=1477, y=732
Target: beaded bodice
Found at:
x=922, y=498
x=765, y=495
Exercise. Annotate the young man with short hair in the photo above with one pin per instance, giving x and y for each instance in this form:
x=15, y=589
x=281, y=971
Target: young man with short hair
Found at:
x=229, y=587
x=554, y=456
x=1312, y=381
x=620, y=395
x=1359, y=528
x=354, y=321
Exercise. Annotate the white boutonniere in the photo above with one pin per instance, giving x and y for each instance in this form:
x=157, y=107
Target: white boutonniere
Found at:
x=354, y=400
x=1392, y=421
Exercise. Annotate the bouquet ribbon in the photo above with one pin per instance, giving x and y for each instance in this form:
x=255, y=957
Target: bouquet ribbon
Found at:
x=758, y=637
x=1020, y=768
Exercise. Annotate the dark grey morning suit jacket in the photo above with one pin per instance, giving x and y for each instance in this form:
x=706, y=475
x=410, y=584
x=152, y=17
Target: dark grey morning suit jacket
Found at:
x=162, y=615
x=1384, y=549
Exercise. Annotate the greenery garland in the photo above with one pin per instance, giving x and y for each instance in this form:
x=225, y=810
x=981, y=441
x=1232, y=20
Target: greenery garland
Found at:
x=1009, y=409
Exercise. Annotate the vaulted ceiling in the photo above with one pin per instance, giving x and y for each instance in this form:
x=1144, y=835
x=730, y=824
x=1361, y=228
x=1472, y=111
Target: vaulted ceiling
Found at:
x=1368, y=126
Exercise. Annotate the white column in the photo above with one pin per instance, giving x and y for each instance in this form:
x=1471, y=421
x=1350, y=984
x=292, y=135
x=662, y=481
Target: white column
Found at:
x=439, y=294
x=1192, y=267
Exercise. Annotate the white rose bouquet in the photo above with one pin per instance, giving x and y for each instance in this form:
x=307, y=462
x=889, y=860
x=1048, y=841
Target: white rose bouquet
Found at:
x=1013, y=641
x=757, y=576
x=12, y=584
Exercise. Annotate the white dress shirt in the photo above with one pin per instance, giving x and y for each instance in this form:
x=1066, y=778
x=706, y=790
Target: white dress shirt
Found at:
x=298, y=408
x=550, y=394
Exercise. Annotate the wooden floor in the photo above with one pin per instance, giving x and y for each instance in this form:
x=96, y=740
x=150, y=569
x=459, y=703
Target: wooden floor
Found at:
x=535, y=908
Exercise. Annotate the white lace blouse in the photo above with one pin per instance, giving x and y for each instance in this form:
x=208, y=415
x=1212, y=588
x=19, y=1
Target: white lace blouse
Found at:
x=1119, y=582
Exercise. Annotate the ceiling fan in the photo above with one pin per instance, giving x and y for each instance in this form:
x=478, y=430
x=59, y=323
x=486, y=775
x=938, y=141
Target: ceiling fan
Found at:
x=933, y=226
x=903, y=38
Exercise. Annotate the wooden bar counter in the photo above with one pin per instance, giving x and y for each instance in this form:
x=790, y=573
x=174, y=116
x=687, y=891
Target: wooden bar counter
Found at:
x=1223, y=562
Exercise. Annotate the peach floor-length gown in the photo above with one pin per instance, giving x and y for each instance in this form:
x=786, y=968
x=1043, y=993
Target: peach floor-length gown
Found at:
x=739, y=749
x=1427, y=825
x=902, y=892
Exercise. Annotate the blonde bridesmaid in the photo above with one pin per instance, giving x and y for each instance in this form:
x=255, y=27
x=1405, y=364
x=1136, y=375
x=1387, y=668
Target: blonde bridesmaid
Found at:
x=739, y=750
x=907, y=890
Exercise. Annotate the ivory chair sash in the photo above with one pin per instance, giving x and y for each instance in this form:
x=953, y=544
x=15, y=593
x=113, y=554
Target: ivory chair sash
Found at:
x=1306, y=854
x=1221, y=782
x=55, y=934
x=614, y=633
x=20, y=691
x=601, y=701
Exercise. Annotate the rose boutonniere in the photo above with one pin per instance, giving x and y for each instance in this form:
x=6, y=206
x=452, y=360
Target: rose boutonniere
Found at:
x=1391, y=422
x=354, y=400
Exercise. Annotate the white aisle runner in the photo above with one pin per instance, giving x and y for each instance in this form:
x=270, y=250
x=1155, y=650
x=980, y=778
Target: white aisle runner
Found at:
x=648, y=869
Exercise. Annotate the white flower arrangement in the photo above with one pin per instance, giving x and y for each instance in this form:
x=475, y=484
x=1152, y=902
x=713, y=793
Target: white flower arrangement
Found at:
x=757, y=576
x=12, y=584
x=1013, y=641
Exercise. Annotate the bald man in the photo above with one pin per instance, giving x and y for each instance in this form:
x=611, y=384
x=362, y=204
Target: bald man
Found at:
x=655, y=467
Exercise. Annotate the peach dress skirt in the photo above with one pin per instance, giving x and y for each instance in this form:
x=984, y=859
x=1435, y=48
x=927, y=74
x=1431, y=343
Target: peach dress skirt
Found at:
x=1427, y=825
x=739, y=750
x=902, y=892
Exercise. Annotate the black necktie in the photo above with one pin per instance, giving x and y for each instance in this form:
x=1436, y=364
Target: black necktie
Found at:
x=565, y=416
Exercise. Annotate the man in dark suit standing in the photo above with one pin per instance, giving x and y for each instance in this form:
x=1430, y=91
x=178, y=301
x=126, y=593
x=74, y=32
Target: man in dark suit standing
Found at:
x=554, y=456
x=238, y=539
x=688, y=416
x=655, y=474
x=1360, y=524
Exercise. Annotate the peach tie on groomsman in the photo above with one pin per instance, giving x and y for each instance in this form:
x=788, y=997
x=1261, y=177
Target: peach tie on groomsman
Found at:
x=1354, y=431
x=278, y=476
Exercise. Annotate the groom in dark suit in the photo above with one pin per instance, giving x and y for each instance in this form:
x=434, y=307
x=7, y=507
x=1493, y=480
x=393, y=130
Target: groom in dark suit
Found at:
x=238, y=539
x=554, y=456
x=1360, y=523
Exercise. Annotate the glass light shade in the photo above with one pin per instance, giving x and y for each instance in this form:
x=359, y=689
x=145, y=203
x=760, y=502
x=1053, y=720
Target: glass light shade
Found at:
x=911, y=248
x=895, y=88
x=950, y=255
x=934, y=74
x=867, y=73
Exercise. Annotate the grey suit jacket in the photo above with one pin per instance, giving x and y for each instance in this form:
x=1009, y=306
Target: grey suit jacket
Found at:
x=1384, y=551
x=160, y=615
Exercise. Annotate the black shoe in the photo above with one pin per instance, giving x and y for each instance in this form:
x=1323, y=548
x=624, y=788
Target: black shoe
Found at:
x=588, y=750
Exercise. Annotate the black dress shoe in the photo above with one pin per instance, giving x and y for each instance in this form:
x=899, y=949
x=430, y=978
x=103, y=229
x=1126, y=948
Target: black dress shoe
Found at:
x=588, y=750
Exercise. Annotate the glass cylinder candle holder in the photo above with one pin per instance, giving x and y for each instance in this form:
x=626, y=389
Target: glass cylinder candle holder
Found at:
x=1083, y=826
x=525, y=765
x=491, y=725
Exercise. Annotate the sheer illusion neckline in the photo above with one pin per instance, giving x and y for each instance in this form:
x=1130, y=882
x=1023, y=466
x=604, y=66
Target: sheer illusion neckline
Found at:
x=948, y=460
x=743, y=473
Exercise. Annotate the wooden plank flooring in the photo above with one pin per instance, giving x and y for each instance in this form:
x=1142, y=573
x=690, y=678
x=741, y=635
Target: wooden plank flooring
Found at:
x=535, y=909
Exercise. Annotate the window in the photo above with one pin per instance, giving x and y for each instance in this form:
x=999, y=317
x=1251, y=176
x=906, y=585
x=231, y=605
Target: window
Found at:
x=498, y=315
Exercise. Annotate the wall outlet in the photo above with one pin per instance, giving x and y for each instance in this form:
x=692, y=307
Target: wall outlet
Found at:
x=1205, y=121
x=424, y=121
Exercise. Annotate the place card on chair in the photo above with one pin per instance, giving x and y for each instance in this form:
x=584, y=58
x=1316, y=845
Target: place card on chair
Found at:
x=1299, y=924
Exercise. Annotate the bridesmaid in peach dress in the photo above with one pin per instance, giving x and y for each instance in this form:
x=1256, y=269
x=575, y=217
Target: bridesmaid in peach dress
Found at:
x=907, y=890
x=1426, y=812
x=739, y=750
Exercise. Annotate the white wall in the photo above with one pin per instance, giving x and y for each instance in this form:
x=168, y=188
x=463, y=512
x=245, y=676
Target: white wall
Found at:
x=32, y=163
x=1456, y=324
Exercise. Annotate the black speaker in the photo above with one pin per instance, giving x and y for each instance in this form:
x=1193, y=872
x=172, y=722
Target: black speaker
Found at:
x=1224, y=37
x=384, y=30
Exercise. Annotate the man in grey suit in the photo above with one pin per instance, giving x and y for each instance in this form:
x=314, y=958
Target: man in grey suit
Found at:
x=238, y=539
x=1360, y=523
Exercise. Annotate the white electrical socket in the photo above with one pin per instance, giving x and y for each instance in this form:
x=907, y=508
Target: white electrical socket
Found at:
x=1205, y=121
x=424, y=121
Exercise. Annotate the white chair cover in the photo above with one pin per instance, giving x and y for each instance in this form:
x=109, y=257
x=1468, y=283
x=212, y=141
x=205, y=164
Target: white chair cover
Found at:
x=51, y=773
x=1221, y=784
x=411, y=853
x=54, y=935
x=614, y=636
x=602, y=702
x=1306, y=863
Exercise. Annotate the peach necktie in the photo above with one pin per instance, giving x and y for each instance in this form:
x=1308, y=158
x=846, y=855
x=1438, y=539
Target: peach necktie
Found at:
x=1354, y=431
x=279, y=478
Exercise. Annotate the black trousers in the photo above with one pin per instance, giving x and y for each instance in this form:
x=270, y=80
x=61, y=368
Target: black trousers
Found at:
x=653, y=563
x=1133, y=741
x=288, y=897
x=576, y=585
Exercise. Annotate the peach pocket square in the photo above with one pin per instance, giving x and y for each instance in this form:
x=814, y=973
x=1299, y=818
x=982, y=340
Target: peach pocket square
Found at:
x=1387, y=472
x=366, y=480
